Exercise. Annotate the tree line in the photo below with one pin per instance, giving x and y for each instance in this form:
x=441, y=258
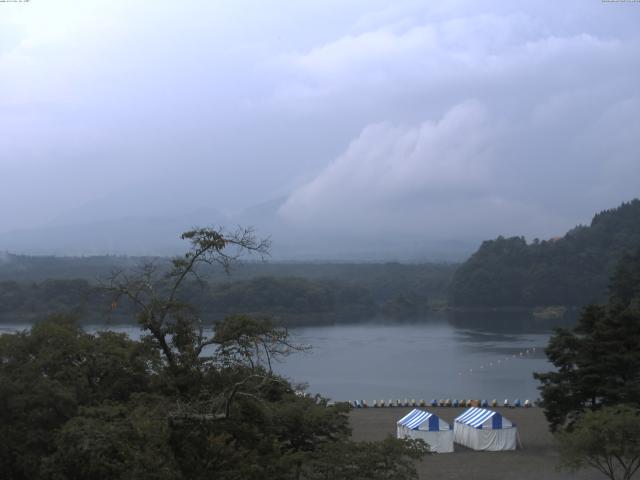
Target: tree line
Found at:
x=573, y=270
x=290, y=300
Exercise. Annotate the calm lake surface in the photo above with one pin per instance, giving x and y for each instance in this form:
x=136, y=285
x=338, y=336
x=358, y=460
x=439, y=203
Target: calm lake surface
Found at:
x=461, y=356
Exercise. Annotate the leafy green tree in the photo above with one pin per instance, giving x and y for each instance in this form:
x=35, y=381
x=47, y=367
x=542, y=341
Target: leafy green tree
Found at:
x=607, y=440
x=115, y=441
x=172, y=325
x=597, y=362
x=49, y=373
x=191, y=400
x=386, y=460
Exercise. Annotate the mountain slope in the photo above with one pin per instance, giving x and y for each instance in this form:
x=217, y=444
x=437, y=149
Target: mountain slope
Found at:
x=572, y=270
x=139, y=233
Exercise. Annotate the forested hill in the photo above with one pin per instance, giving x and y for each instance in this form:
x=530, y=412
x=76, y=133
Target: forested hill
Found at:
x=291, y=293
x=573, y=270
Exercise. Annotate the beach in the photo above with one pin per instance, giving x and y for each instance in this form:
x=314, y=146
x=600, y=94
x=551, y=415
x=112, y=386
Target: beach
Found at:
x=536, y=460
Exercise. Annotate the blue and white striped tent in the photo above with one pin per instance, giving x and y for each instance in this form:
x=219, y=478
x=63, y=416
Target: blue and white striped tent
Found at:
x=420, y=424
x=482, y=429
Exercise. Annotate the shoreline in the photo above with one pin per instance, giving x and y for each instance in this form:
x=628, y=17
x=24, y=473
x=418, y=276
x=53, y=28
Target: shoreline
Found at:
x=536, y=459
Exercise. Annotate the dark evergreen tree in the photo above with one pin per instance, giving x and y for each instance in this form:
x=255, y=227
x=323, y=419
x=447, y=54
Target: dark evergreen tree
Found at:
x=598, y=361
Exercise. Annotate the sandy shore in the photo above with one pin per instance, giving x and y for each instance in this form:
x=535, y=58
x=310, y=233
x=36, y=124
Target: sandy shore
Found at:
x=536, y=460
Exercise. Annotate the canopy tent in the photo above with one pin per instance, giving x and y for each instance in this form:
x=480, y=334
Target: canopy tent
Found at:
x=419, y=424
x=482, y=429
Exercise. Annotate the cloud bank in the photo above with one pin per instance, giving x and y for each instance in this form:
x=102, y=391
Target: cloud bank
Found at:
x=431, y=120
x=548, y=137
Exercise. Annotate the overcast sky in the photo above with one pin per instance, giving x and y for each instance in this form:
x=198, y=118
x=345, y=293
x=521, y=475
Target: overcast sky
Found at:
x=436, y=119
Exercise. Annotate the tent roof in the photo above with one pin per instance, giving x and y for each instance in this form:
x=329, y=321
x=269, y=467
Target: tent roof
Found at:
x=415, y=418
x=475, y=417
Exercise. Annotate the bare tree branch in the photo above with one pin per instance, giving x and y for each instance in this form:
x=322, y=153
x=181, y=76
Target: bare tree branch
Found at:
x=157, y=312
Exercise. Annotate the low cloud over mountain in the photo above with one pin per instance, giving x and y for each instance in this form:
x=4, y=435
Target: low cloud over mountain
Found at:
x=413, y=122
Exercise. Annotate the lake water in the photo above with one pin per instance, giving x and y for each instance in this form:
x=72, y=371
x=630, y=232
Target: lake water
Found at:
x=434, y=358
x=440, y=356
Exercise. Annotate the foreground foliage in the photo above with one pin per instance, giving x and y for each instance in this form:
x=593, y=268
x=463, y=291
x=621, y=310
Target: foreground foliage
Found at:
x=597, y=362
x=592, y=400
x=189, y=400
x=607, y=440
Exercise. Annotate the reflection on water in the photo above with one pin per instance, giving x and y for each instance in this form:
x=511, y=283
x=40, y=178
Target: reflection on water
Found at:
x=508, y=322
x=461, y=355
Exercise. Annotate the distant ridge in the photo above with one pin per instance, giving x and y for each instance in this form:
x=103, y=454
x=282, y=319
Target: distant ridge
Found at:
x=572, y=270
x=147, y=235
x=140, y=234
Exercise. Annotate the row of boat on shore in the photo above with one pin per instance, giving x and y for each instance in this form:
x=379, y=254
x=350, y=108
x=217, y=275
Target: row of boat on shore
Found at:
x=441, y=403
